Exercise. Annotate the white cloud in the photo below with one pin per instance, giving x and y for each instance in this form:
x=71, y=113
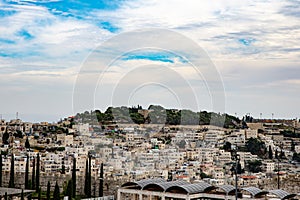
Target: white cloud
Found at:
x=251, y=42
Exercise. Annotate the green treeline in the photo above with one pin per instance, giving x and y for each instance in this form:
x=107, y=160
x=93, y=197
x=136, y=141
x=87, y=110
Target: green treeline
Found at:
x=156, y=115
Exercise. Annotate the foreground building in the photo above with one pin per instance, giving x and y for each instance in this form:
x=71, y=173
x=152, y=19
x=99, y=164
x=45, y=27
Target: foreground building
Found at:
x=159, y=189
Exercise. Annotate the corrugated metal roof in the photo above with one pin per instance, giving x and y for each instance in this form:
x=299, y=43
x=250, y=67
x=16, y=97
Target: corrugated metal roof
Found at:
x=192, y=188
x=254, y=191
x=282, y=194
x=165, y=185
x=227, y=188
x=142, y=183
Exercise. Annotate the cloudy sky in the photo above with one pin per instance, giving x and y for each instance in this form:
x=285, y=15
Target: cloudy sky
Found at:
x=252, y=47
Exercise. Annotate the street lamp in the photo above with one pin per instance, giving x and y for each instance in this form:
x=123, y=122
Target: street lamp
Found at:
x=235, y=157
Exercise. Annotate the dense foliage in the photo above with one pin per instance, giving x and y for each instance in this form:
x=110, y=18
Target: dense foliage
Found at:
x=156, y=114
x=254, y=166
x=256, y=147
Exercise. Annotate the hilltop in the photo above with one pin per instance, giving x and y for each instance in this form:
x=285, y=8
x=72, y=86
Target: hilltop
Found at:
x=156, y=114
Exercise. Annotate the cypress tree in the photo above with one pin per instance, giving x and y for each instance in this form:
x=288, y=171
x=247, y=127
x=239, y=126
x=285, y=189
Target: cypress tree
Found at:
x=56, y=193
x=69, y=191
x=1, y=169
x=270, y=152
x=282, y=155
x=239, y=168
x=22, y=195
x=27, y=144
x=101, y=181
x=37, y=175
x=5, y=196
x=27, y=173
x=292, y=146
x=90, y=177
x=39, y=195
x=33, y=175
x=48, y=190
x=86, y=182
x=74, y=177
x=11, y=183
x=63, y=168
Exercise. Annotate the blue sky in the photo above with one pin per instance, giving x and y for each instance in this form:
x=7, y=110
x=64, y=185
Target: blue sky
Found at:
x=254, y=45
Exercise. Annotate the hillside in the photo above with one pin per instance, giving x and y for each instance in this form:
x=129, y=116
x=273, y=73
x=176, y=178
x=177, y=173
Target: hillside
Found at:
x=156, y=114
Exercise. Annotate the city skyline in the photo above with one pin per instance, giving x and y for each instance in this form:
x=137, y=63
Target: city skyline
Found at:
x=252, y=44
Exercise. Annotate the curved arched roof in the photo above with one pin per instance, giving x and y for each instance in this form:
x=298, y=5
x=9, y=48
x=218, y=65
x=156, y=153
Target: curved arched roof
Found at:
x=254, y=191
x=227, y=188
x=142, y=183
x=282, y=194
x=163, y=186
x=188, y=188
x=191, y=188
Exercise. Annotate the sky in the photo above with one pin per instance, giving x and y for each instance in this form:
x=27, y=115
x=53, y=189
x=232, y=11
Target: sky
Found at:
x=250, y=47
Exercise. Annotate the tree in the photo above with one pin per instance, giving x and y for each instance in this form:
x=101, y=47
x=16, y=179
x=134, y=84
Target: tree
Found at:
x=5, y=137
x=292, y=146
x=33, y=175
x=282, y=155
x=11, y=183
x=239, y=168
x=256, y=146
x=27, y=144
x=101, y=181
x=5, y=196
x=39, y=195
x=270, y=152
x=227, y=146
x=22, y=195
x=204, y=175
x=170, y=176
x=48, y=190
x=37, y=173
x=74, y=177
x=27, y=173
x=181, y=144
x=56, y=193
x=1, y=169
x=90, y=176
x=63, y=168
x=296, y=157
x=254, y=166
x=276, y=154
x=86, y=182
x=69, y=191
